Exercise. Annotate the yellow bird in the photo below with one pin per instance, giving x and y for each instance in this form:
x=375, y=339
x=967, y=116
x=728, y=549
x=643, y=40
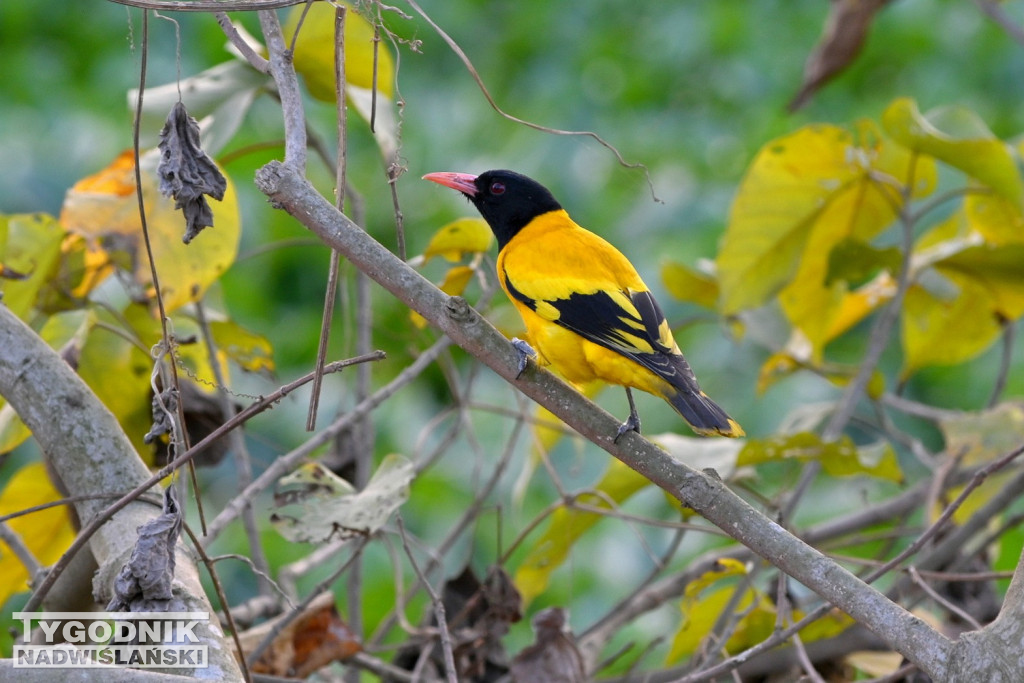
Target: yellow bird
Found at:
x=587, y=312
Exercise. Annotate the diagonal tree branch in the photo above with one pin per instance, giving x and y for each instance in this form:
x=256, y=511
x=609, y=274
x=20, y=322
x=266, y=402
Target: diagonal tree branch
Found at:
x=703, y=492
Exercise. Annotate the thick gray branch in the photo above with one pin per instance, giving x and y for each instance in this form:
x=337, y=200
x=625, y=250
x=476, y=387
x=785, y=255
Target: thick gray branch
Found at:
x=85, y=445
x=704, y=493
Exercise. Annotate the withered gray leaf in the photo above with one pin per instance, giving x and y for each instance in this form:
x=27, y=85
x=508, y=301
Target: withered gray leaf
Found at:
x=144, y=583
x=553, y=657
x=186, y=173
x=163, y=408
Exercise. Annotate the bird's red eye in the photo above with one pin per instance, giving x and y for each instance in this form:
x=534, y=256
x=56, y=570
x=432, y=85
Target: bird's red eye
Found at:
x=497, y=188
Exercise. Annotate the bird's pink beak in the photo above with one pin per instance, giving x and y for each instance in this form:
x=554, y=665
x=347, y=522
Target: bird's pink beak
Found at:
x=463, y=182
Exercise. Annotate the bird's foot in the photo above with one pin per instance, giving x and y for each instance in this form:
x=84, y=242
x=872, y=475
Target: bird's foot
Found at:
x=632, y=424
x=526, y=352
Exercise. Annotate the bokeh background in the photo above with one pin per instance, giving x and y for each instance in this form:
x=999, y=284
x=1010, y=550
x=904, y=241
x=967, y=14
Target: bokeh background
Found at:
x=689, y=89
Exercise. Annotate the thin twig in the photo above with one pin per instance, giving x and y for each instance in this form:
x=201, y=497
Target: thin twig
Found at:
x=209, y=5
x=17, y=546
x=439, y=611
x=1006, y=358
x=297, y=611
x=287, y=462
x=242, y=458
x=219, y=589
x=457, y=49
x=941, y=601
x=102, y=518
x=255, y=59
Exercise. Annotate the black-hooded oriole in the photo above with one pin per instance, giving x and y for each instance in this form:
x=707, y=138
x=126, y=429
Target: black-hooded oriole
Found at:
x=587, y=312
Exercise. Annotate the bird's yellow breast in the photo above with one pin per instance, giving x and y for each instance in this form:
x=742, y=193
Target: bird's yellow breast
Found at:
x=553, y=258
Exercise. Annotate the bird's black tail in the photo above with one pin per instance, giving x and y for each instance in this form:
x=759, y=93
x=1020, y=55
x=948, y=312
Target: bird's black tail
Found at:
x=704, y=415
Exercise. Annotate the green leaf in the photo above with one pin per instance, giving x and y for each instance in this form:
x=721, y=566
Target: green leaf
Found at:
x=956, y=136
x=32, y=251
x=687, y=284
x=567, y=526
x=838, y=458
x=946, y=328
x=854, y=261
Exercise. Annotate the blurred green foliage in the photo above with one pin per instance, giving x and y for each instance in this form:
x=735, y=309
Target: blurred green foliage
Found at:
x=689, y=89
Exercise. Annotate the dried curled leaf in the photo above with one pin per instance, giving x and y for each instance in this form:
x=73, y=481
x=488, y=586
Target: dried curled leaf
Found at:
x=314, y=505
x=144, y=583
x=186, y=173
x=842, y=38
x=554, y=656
x=314, y=639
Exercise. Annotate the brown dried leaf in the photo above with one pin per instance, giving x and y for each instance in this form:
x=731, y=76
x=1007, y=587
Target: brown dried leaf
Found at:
x=842, y=38
x=553, y=657
x=316, y=638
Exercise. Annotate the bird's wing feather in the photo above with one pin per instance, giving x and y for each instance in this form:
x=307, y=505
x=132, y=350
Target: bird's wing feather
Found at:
x=576, y=279
x=624, y=321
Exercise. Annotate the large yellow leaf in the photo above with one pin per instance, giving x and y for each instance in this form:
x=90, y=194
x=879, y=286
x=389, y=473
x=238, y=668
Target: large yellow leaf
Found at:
x=946, y=328
x=47, y=533
x=314, y=59
x=995, y=218
x=956, y=136
x=688, y=284
x=458, y=238
x=118, y=372
x=314, y=51
x=802, y=195
x=566, y=527
x=838, y=458
x=103, y=207
x=999, y=271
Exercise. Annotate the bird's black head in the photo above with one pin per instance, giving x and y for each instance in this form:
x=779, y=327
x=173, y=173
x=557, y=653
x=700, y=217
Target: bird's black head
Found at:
x=507, y=200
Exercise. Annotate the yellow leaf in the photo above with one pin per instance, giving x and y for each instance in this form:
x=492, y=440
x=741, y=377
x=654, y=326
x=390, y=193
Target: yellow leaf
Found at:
x=462, y=236
x=998, y=271
x=702, y=605
x=250, y=350
x=118, y=372
x=946, y=328
x=314, y=51
x=803, y=194
x=958, y=137
x=996, y=219
x=838, y=458
x=47, y=533
x=857, y=305
x=566, y=527
x=103, y=207
x=687, y=284
x=875, y=664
